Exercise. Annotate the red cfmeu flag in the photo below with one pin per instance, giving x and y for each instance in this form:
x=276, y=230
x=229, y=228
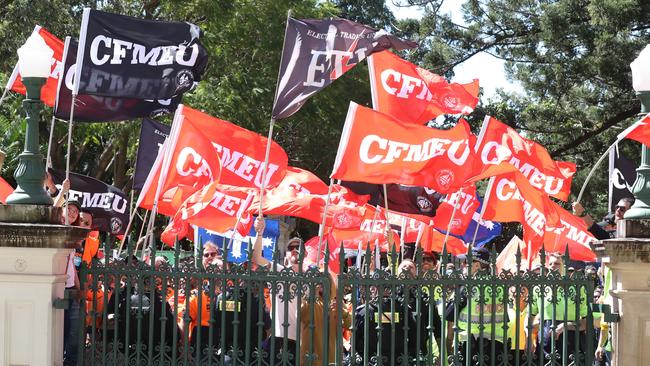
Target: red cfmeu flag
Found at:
x=639, y=131
x=311, y=254
x=48, y=92
x=412, y=94
x=431, y=240
x=466, y=204
x=371, y=228
x=376, y=148
x=216, y=207
x=302, y=194
x=241, y=151
x=573, y=233
x=5, y=190
x=513, y=199
x=188, y=162
x=499, y=142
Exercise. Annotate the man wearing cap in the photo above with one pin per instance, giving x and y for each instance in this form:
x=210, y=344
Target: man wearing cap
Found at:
x=481, y=316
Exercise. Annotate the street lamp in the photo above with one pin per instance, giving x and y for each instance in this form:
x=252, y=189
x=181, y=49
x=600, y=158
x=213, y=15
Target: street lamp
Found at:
x=641, y=188
x=34, y=62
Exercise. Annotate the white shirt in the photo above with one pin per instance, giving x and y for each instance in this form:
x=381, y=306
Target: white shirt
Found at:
x=70, y=271
x=279, y=312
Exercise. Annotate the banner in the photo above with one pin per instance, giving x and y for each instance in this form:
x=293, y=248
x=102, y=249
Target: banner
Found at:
x=238, y=248
x=513, y=199
x=108, y=205
x=622, y=174
x=93, y=108
x=499, y=142
x=431, y=240
x=466, y=204
x=318, y=51
x=377, y=148
x=125, y=57
x=639, y=131
x=412, y=94
x=48, y=91
x=152, y=137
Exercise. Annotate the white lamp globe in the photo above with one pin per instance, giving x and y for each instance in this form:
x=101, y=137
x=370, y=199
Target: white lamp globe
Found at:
x=35, y=58
x=641, y=71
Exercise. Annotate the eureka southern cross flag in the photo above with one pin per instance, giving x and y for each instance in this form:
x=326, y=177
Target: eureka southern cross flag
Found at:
x=318, y=51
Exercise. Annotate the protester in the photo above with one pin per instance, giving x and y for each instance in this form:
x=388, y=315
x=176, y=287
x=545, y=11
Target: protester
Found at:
x=597, y=229
x=562, y=326
x=285, y=309
x=482, y=332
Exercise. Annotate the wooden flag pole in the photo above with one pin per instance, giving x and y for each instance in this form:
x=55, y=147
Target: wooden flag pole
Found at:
x=67, y=160
x=321, y=229
x=488, y=190
x=451, y=219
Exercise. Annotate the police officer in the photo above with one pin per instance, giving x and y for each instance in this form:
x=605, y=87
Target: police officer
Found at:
x=481, y=316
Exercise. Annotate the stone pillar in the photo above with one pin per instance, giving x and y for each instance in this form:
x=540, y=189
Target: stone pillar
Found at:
x=628, y=257
x=33, y=260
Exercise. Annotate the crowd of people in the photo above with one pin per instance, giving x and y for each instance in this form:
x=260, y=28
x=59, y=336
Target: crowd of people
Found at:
x=219, y=313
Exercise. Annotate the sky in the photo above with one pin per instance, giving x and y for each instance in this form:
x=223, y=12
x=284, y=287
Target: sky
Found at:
x=483, y=66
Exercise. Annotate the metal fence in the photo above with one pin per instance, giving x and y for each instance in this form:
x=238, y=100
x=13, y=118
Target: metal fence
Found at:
x=401, y=313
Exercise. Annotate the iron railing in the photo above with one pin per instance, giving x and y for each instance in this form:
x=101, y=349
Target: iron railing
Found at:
x=137, y=314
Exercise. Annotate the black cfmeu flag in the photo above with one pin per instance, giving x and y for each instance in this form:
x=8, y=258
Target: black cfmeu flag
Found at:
x=125, y=57
x=108, y=205
x=93, y=108
x=152, y=136
x=622, y=173
x=401, y=198
x=318, y=51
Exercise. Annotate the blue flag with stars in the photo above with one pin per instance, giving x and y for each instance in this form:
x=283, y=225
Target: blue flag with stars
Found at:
x=487, y=230
x=238, y=248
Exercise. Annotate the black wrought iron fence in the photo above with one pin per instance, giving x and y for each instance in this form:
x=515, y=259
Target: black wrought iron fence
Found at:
x=409, y=312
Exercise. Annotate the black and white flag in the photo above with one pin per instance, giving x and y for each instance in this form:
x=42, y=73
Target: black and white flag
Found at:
x=108, y=205
x=94, y=108
x=401, y=198
x=318, y=51
x=622, y=173
x=152, y=136
x=126, y=57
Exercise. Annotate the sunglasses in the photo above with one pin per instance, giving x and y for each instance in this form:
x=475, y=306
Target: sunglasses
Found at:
x=208, y=255
x=622, y=208
x=293, y=247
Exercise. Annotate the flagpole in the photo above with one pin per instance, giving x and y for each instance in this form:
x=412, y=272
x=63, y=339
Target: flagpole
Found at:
x=270, y=137
x=232, y=237
x=134, y=212
x=67, y=159
x=488, y=190
x=593, y=169
x=321, y=229
x=451, y=219
x=48, y=161
x=4, y=94
x=420, y=231
x=402, y=236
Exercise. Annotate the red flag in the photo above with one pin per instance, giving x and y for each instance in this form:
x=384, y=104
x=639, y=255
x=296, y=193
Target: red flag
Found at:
x=639, y=131
x=372, y=227
x=431, y=240
x=376, y=148
x=216, y=207
x=192, y=165
x=311, y=254
x=513, y=199
x=499, y=142
x=5, y=190
x=241, y=151
x=302, y=194
x=412, y=94
x=48, y=92
x=466, y=205
x=572, y=232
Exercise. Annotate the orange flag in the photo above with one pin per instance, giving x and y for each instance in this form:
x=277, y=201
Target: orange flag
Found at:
x=499, y=142
x=639, y=131
x=573, y=232
x=376, y=148
x=5, y=190
x=48, y=92
x=513, y=199
x=412, y=94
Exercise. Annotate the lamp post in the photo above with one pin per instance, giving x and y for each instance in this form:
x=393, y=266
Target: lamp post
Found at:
x=34, y=63
x=641, y=188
